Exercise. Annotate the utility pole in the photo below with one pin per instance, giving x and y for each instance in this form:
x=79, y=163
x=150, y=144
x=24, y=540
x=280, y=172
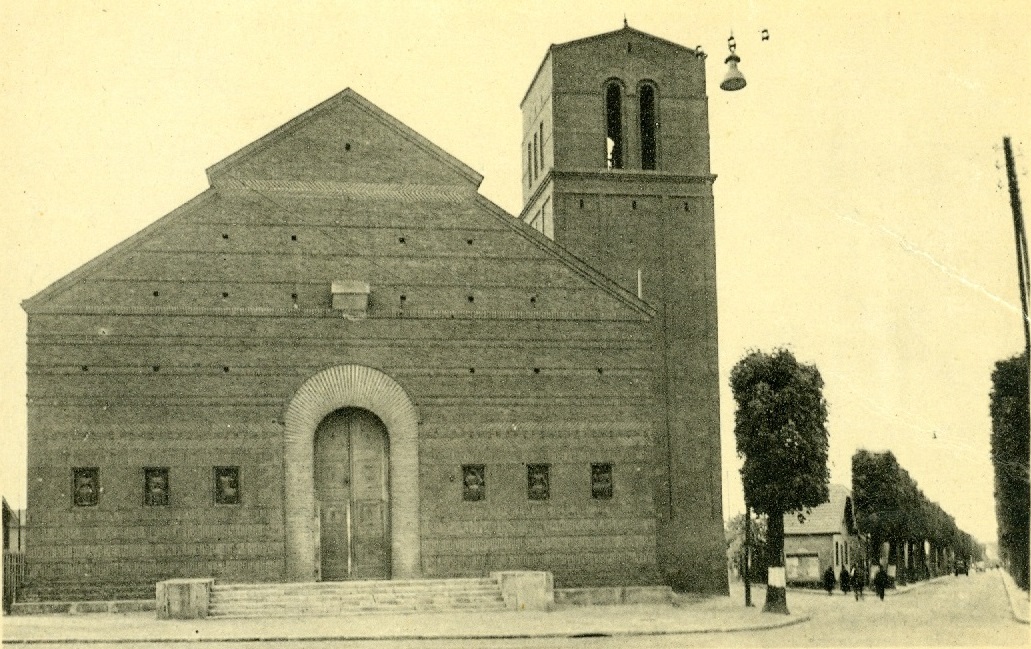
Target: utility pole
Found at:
x=1021, y=243
x=748, y=555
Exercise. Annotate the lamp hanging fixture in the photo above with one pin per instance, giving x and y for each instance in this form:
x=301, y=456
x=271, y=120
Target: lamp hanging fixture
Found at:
x=734, y=80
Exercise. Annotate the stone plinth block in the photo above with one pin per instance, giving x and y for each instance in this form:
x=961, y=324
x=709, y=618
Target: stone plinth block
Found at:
x=526, y=590
x=184, y=599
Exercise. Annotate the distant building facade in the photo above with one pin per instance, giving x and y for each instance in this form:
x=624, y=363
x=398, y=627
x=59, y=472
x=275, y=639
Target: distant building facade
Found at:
x=341, y=362
x=826, y=536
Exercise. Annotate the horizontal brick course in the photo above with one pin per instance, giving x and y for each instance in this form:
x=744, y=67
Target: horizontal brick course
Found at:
x=204, y=373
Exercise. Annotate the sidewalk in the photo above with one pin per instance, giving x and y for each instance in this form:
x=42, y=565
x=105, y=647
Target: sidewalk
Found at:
x=687, y=615
x=1019, y=603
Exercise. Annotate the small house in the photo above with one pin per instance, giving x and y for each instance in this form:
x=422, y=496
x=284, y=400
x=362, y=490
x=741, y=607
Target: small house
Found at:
x=824, y=536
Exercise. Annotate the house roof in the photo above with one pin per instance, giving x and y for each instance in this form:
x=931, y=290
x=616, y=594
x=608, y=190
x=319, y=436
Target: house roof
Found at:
x=828, y=518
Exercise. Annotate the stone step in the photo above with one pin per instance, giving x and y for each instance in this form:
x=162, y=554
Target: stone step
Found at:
x=353, y=597
x=360, y=601
x=324, y=592
x=284, y=611
x=341, y=596
x=334, y=612
x=366, y=597
x=366, y=585
x=336, y=591
x=345, y=602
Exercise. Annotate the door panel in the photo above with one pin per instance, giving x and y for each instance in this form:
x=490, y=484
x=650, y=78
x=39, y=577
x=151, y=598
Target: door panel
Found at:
x=370, y=534
x=351, y=478
x=332, y=490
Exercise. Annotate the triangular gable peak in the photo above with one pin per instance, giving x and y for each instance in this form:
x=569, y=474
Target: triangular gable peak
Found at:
x=332, y=143
x=189, y=244
x=621, y=34
x=628, y=34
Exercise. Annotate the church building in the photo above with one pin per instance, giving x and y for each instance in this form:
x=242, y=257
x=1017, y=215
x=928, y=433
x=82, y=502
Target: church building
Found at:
x=341, y=362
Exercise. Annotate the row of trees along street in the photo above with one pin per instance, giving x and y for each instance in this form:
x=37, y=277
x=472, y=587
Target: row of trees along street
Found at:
x=781, y=434
x=1010, y=457
x=923, y=540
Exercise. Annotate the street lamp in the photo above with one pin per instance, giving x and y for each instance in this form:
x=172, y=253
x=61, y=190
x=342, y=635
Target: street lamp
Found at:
x=734, y=79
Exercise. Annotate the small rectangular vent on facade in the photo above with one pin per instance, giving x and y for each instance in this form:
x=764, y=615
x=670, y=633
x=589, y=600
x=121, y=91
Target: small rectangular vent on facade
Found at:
x=474, y=482
x=601, y=480
x=155, y=486
x=538, y=481
x=351, y=297
x=227, y=485
x=85, y=486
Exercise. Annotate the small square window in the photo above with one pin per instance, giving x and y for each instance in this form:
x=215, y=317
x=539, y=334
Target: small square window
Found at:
x=227, y=485
x=474, y=482
x=155, y=486
x=601, y=481
x=538, y=484
x=85, y=486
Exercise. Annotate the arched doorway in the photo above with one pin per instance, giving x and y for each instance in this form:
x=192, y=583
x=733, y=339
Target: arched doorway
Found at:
x=333, y=389
x=353, y=496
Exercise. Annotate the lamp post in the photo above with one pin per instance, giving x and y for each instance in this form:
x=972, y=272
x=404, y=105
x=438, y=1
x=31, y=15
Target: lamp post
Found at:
x=732, y=81
x=748, y=555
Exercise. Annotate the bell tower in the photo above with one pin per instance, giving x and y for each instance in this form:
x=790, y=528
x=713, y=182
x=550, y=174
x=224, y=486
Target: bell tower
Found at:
x=616, y=170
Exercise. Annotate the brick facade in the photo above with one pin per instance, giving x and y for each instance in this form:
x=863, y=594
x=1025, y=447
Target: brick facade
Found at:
x=195, y=343
x=651, y=230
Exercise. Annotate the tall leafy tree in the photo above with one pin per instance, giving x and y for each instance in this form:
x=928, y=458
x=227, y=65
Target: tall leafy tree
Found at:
x=781, y=432
x=886, y=500
x=872, y=473
x=1010, y=424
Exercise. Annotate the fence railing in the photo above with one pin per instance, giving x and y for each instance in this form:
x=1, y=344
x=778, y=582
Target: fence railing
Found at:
x=14, y=575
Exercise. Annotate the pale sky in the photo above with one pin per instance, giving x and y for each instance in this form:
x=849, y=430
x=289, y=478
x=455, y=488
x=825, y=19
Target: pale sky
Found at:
x=862, y=216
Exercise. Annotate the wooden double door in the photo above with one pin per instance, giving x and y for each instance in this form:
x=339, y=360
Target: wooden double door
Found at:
x=352, y=492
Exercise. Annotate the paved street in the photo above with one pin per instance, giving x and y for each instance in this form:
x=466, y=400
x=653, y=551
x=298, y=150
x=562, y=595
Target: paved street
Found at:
x=959, y=611
x=963, y=611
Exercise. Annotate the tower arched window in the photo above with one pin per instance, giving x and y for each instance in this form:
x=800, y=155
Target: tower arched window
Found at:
x=535, y=156
x=614, y=126
x=541, y=127
x=529, y=166
x=649, y=126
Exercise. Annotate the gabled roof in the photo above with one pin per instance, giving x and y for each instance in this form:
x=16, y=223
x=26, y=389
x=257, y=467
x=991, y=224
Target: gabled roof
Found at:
x=626, y=29
x=225, y=171
x=134, y=241
x=828, y=518
x=618, y=33
x=346, y=95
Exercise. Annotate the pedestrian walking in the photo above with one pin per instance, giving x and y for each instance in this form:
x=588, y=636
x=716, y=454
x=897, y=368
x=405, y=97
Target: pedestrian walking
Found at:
x=844, y=580
x=857, y=580
x=828, y=580
x=880, y=582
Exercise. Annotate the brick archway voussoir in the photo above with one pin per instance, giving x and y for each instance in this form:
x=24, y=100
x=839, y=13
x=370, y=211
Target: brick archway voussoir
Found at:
x=338, y=387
